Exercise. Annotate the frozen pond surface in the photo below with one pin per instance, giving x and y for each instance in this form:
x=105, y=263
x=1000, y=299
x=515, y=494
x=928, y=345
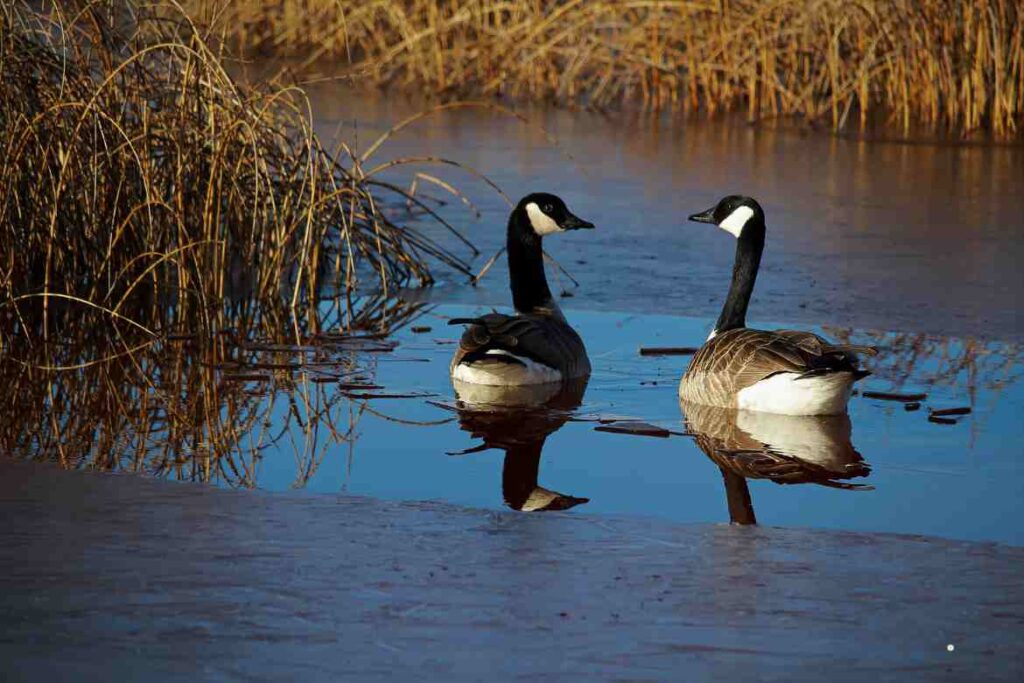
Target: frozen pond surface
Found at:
x=115, y=578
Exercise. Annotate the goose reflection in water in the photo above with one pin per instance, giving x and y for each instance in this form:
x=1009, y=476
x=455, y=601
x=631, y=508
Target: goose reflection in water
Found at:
x=786, y=449
x=518, y=420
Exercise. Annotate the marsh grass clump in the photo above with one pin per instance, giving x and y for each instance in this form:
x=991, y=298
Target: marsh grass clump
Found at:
x=179, y=255
x=134, y=165
x=955, y=65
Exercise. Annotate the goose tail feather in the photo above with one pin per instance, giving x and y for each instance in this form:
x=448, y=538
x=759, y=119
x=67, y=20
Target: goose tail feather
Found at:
x=818, y=372
x=857, y=349
x=466, y=321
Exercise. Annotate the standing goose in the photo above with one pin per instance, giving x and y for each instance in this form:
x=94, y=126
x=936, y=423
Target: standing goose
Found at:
x=536, y=345
x=785, y=371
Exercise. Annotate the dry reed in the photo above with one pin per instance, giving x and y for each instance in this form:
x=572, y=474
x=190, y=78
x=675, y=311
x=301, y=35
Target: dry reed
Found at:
x=135, y=166
x=950, y=64
x=167, y=239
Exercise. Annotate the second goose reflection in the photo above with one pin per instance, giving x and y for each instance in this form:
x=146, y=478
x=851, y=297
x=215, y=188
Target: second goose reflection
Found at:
x=518, y=420
x=786, y=449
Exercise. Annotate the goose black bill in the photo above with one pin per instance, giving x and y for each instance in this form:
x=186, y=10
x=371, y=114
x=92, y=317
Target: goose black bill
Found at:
x=705, y=216
x=572, y=222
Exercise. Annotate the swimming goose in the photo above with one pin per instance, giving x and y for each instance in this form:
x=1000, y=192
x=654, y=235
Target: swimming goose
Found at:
x=536, y=345
x=786, y=371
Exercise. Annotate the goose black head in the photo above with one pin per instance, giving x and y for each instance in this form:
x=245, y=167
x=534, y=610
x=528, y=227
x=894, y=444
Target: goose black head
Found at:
x=546, y=214
x=733, y=214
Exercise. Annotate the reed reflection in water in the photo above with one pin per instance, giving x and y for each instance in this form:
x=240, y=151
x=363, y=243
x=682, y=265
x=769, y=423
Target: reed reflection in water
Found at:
x=274, y=399
x=518, y=420
x=785, y=449
x=163, y=396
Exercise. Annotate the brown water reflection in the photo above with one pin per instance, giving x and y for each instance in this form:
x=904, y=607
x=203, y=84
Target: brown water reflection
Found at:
x=785, y=449
x=870, y=234
x=161, y=398
x=935, y=361
x=518, y=420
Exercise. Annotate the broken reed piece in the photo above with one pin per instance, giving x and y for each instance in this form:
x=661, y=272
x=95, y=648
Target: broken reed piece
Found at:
x=940, y=412
x=668, y=350
x=939, y=420
x=892, y=396
x=281, y=348
x=912, y=406
x=343, y=382
x=421, y=329
x=634, y=428
x=367, y=397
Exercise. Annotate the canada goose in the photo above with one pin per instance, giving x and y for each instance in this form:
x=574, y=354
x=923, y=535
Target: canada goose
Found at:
x=536, y=345
x=518, y=420
x=785, y=371
x=787, y=449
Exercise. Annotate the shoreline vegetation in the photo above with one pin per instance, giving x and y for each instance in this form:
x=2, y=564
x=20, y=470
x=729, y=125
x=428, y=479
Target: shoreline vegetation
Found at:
x=171, y=241
x=136, y=168
x=953, y=66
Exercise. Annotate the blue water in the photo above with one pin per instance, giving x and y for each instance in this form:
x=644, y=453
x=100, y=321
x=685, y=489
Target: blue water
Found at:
x=959, y=481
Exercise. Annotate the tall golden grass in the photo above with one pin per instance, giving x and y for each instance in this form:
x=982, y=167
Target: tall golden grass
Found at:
x=134, y=165
x=172, y=242
x=949, y=64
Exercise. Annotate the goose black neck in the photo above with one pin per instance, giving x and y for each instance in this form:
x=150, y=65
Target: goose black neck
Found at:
x=737, y=496
x=519, y=472
x=749, y=246
x=526, y=265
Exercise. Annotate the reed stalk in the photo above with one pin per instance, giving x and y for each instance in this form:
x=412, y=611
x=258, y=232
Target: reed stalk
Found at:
x=174, y=246
x=950, y=65
x=135, y=166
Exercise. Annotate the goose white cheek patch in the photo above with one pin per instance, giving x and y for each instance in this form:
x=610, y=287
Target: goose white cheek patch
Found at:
x=542, y=223
x=736, y=220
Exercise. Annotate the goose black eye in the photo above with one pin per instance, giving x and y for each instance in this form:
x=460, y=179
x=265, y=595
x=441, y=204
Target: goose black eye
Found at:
x=548, y=208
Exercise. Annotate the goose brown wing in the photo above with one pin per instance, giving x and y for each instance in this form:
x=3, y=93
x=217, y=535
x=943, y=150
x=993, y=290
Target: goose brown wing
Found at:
x=742, y=357
x=542, y=339
x=819, y=346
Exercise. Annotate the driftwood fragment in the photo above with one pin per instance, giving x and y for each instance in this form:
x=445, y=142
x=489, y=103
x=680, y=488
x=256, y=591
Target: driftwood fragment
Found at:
x=634, y=428
x=893, y=396
x=367, y=397
x=945, y=412
x=668, y=350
